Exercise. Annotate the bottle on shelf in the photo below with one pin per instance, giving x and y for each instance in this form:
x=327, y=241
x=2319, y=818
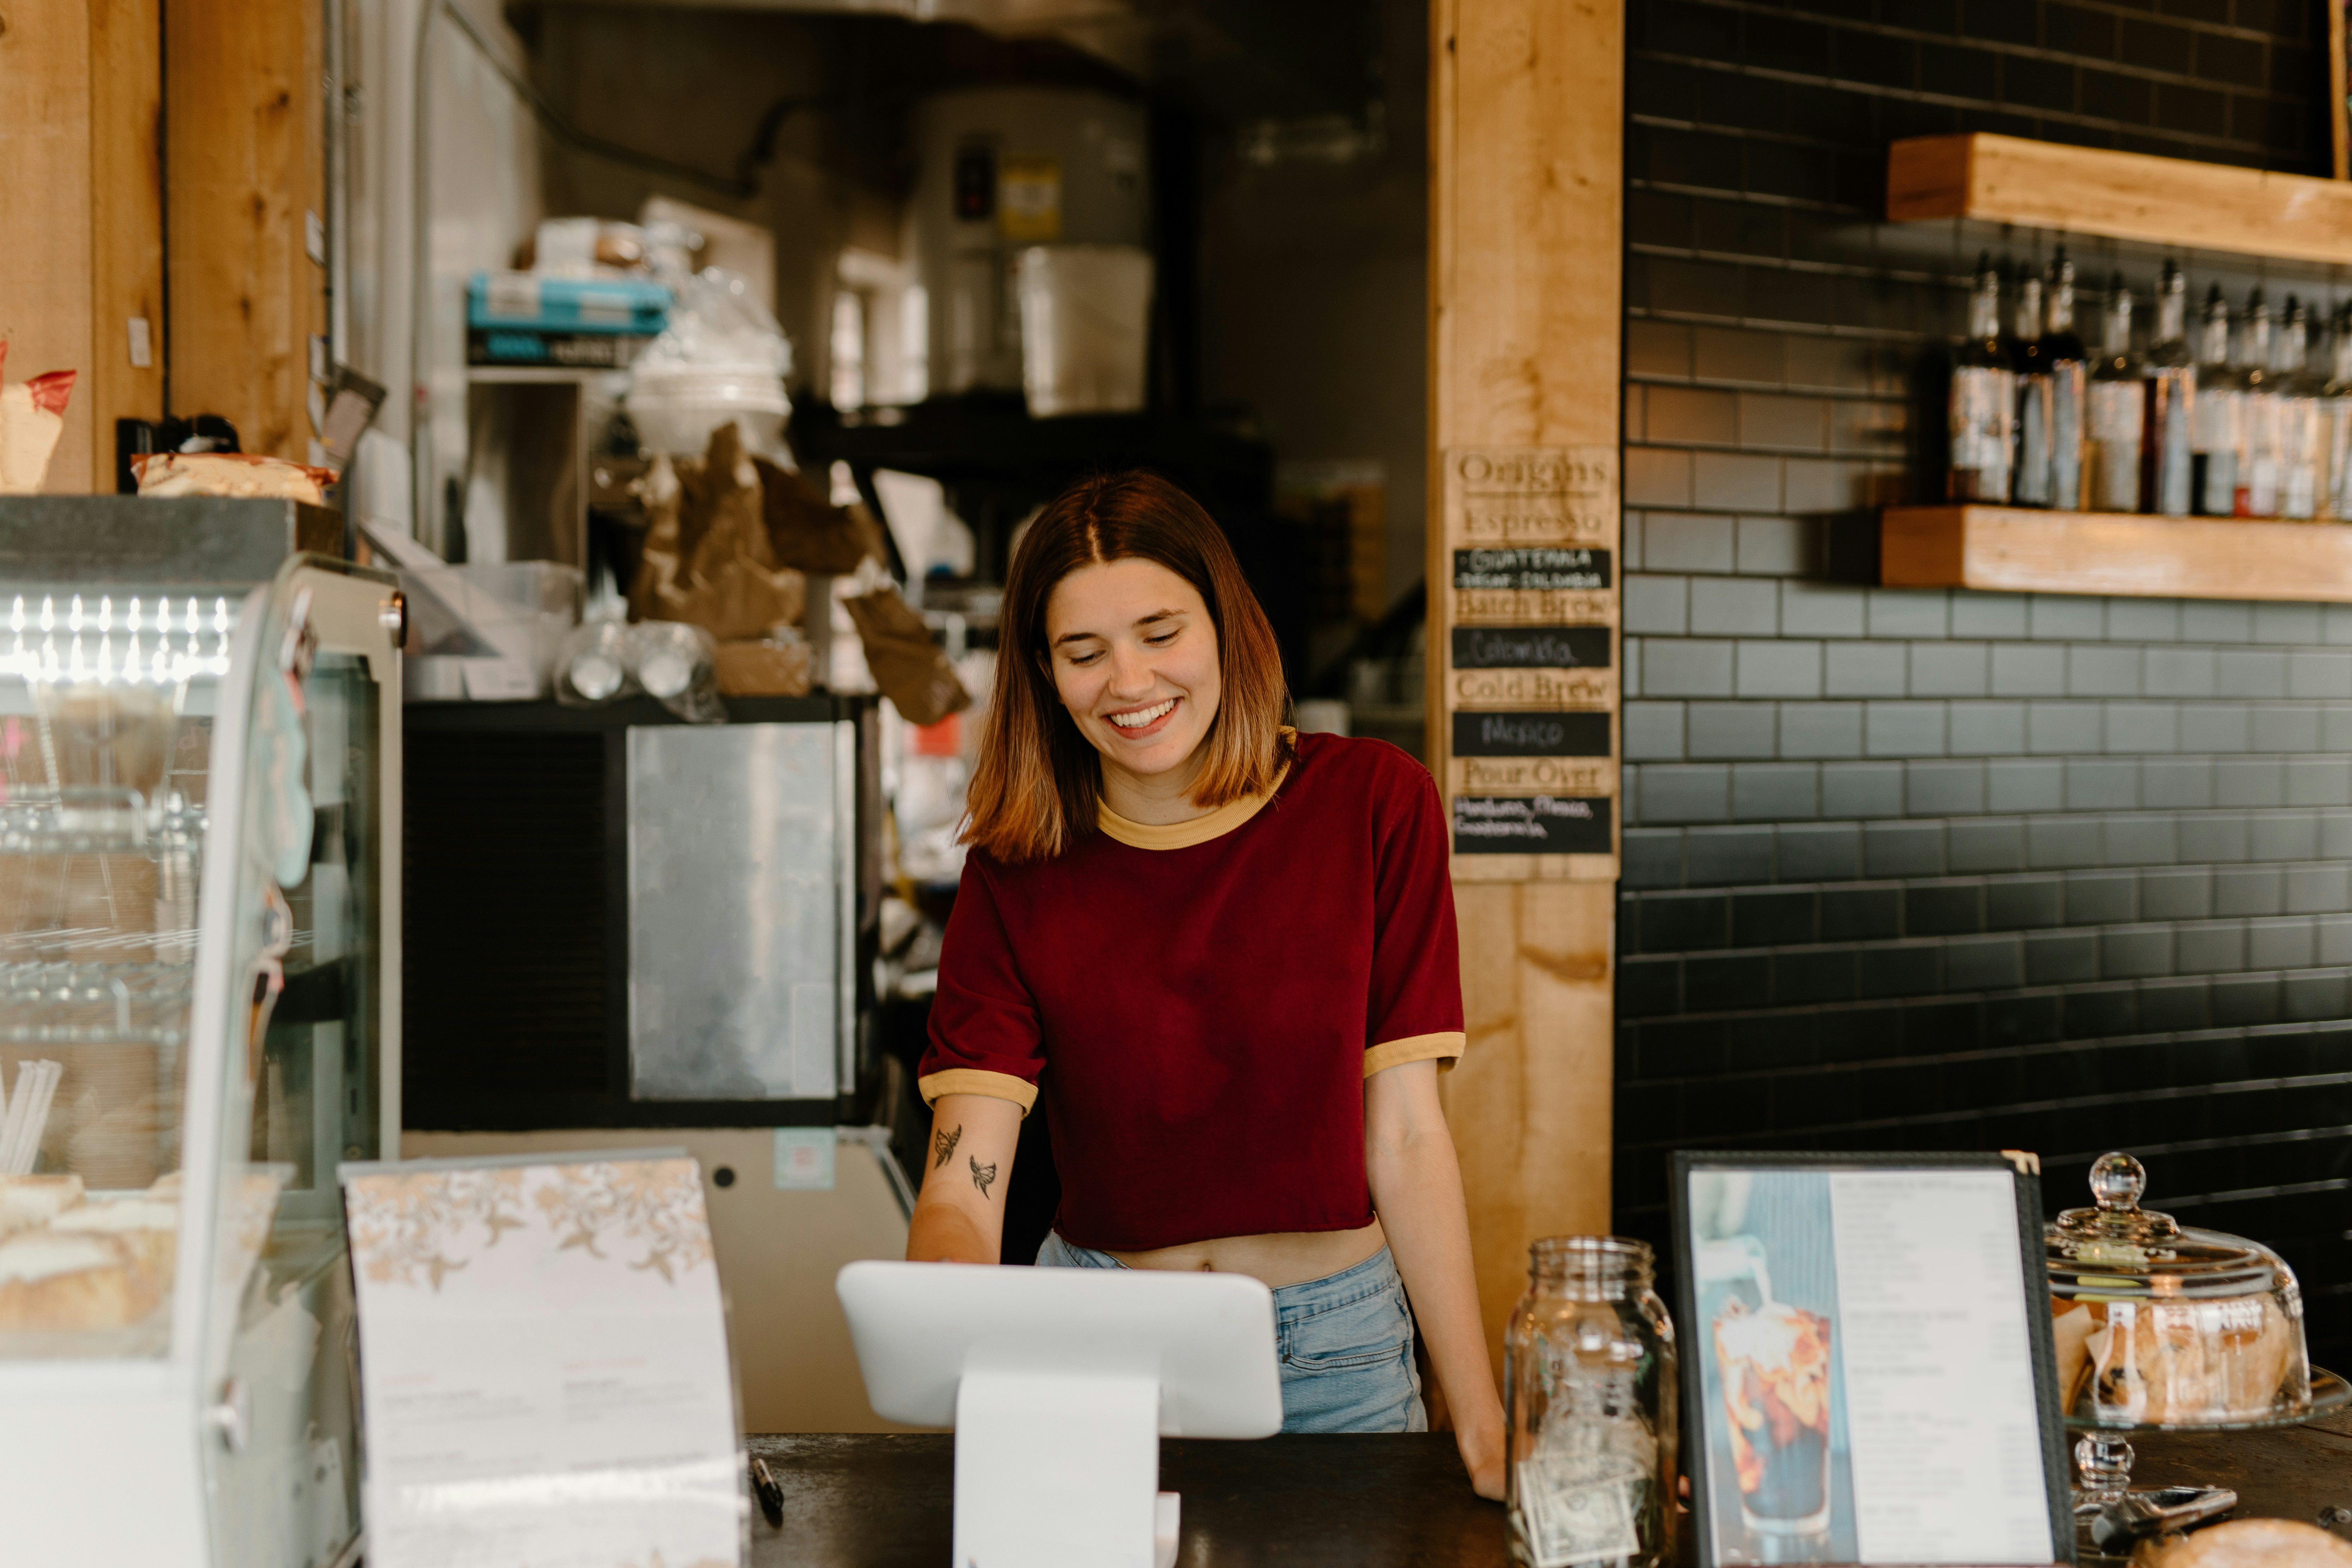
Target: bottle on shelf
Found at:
x=2300, y=440
x=2335, y=413
x=2036, y=401
x=2258, y=417
x=2213, y=433
x=2172, y=394
x=2118, y=409
x=1982, y=407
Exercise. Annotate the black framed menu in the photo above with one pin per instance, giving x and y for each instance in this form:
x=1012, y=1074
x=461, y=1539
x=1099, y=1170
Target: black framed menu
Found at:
x=1867, y=1373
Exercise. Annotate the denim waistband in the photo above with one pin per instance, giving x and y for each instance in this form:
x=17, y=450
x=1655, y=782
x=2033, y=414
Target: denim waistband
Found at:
x=1306, y=1297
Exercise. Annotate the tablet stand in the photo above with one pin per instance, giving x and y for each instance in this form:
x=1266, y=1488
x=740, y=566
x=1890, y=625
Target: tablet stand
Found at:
x=1060, y=1469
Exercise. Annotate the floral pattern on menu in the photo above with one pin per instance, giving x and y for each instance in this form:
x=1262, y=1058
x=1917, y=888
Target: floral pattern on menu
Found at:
x=417, y=1228
x=653, y=1204
x=405, y=1228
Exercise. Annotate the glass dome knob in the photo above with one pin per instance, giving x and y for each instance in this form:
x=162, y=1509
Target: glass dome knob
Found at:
x=2116, y=1182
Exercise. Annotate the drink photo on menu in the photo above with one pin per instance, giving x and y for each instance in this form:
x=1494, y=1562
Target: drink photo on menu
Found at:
x=1774, y=1401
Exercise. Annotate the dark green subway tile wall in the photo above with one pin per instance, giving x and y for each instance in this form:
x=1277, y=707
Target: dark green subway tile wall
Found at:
x=1953, y=870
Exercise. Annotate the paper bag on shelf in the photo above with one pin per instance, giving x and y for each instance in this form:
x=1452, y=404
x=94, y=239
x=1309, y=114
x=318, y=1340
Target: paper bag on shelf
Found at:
x=808, y=532
x=707, y=559
x=912, y=669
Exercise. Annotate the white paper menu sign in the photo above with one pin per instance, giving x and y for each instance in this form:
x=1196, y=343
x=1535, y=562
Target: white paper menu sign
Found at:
x=1946, y=1433
x=543, y=1367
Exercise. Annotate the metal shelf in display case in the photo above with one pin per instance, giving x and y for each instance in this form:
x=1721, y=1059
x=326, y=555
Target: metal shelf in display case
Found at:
x=200, y=828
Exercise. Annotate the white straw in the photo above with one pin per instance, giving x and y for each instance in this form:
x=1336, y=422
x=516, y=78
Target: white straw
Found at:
x=21, y=1129
x=12, y=1124
x=36, y=1119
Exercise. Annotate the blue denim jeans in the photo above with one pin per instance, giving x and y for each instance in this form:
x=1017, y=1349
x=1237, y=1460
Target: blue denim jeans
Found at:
x=1344, y=1343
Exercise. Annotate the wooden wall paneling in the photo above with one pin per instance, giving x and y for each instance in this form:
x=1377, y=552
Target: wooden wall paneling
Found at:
x=246, y=169
x=45, y=214
x=1526, y=213
x=1529, y=1105
x=126, y=68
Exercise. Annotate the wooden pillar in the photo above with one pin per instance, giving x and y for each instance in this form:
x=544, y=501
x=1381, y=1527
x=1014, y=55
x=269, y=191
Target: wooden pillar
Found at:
x=246, y=180
x=81, y=218
x=127, y=326
x=1526, y=237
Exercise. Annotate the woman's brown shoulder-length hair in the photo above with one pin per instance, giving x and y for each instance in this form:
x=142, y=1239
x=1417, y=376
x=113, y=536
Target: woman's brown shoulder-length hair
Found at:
x=1036, y=783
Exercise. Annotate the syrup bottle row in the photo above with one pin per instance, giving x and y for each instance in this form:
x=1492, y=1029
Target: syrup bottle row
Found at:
x=2243, y=424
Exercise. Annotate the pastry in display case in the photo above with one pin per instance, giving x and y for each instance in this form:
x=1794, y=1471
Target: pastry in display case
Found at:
x=199, y=854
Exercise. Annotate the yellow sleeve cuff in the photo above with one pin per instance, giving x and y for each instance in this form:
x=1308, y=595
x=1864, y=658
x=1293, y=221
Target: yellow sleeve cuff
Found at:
x=1413, y=1048
x=995, y=1084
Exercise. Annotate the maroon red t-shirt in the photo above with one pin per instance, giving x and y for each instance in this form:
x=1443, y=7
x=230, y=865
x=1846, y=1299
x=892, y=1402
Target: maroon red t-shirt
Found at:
x=1200, y=1004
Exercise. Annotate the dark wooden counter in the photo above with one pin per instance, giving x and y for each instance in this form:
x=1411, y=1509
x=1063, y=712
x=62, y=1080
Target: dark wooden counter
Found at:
x=862, y=1501
x=2288, y=1473
x=1367, y=1501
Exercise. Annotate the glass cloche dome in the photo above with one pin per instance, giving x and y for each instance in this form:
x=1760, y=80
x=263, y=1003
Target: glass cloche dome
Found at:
x=2159, y=1324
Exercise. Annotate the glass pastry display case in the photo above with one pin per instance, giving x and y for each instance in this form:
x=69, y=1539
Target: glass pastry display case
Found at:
x=199, y=854
x=2162, y=1327
x=2159, y=1324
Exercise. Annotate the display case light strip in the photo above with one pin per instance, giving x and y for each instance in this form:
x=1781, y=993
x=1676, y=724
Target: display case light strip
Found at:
x=87, y=651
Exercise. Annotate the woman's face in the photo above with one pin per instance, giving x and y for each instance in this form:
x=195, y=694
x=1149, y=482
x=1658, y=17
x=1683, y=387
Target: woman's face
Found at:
x=1134, y=655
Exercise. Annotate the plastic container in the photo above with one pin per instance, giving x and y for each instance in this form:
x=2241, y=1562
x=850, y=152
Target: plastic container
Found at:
x=676, y=665
x=721, y=357
x=675, y=409
x=2161, y=1325
x=1086, y=313
x=541, y=596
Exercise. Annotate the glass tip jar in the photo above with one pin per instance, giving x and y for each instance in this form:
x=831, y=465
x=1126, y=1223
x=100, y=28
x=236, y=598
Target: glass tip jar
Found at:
x=1590, y=1395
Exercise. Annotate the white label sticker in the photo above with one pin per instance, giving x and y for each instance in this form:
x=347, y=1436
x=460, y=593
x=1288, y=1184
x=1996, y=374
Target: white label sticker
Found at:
x=142, y=343
x=804, y=1159
x=604, y=309
x=514, y=296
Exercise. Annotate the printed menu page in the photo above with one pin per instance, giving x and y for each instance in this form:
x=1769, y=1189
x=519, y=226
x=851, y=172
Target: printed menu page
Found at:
x=1937, y=1355
x=544, y=1362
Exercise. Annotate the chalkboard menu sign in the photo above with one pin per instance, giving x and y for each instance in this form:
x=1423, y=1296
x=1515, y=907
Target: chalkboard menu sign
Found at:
x=1530, y=734
x=1531, y=571
x=1531, y=824
x=1526, y=626
x=1531, y=648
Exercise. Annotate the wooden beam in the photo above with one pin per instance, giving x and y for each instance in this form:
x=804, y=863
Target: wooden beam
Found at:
x=2123, y=196
x=45, y=215
x=2019, y=550
x=1526, y=232
x=247, y=172
x=126, y=63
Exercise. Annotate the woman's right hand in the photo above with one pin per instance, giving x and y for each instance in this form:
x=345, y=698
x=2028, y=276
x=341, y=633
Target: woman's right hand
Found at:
x=959, y=1213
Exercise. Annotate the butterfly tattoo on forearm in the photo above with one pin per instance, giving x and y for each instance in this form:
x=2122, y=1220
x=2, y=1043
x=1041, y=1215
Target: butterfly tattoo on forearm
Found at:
x=944, y=1144
x=981, y=1175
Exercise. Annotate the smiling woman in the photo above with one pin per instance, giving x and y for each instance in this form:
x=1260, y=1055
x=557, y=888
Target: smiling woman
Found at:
x=1233, y=947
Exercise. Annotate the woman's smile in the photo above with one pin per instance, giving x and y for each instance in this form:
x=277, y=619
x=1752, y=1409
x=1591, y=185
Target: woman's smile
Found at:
x=1138, y=724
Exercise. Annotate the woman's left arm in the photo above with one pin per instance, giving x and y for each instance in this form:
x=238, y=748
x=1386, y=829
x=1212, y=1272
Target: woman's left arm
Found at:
x=1417, y=1192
